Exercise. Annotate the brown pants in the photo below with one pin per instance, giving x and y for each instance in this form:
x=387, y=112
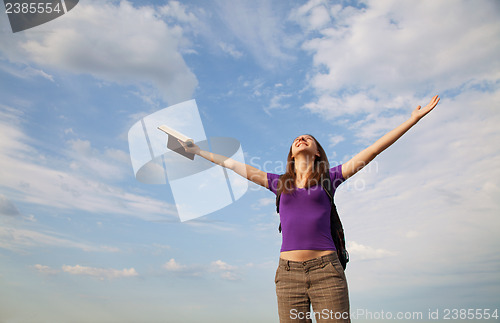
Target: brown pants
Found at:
x=319, y=282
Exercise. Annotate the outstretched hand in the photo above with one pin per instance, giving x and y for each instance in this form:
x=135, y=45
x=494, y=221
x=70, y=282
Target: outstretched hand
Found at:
x=190, y=147
x=420, y=112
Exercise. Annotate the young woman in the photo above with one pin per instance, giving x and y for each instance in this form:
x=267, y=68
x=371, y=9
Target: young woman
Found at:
x=309, y=272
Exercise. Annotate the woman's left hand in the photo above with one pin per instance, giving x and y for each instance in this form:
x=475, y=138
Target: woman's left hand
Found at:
x=190, y=147
x=420, y=112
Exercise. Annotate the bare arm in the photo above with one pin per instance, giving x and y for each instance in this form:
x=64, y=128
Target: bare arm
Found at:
x=249, y=172
x=367, y=155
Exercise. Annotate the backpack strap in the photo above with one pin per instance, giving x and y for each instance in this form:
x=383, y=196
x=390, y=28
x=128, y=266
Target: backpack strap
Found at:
x=278, y=196
x=335, y=224
x=326, y=182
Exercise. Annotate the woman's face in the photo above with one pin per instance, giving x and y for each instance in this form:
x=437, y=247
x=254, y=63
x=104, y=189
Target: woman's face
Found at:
x=304, y=144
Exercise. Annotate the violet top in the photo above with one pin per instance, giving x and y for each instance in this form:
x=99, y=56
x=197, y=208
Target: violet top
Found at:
x=305, y=215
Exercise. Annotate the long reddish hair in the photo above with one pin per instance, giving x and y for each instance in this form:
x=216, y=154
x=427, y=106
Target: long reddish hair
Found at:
x=321, y=167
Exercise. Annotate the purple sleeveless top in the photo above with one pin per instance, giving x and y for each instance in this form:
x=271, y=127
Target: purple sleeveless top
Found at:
x=305, y=215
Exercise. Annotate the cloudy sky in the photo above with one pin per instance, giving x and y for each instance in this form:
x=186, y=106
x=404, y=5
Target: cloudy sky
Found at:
x=81, y=240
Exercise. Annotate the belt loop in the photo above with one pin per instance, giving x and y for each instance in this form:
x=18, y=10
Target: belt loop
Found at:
x=325, y=259
x=287, y=266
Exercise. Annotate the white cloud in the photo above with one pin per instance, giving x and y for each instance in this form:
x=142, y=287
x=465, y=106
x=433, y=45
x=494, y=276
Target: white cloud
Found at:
x=225, y=270
x=111, y=164
x=26, y=73
x=362, y=252
x=30, y=218
x=334, y=140
x=412, y=234
x=16, y=238
x=390, y=54
x=375, y=126
x=36, y=72
x=388, y=45
x=257, y=25
x=210, y=226
x=109, y=249
x=45, y=270
x=276, y=103
x=221, y=265
x=38, y=184
x=100, y=273
x=112, y=41
x=158, y=249
x=12, y=139
x=228, y=275
x=172, y=265
x=331, y=106
x=432, y=201
x=312, y=15
x=7, y=207
x=230, y=49
x=177, y=11
x=182, y=270
x=263, y=202
x=70, y=184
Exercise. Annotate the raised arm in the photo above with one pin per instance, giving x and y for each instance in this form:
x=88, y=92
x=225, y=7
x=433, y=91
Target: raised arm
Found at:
x=367, y=155
x=251, y=173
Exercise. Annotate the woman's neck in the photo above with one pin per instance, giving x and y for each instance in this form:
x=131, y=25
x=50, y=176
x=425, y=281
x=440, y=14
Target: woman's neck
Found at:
x=303, y=169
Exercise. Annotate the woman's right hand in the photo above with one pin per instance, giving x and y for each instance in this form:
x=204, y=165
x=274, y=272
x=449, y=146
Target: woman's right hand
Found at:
x=249, y=172
x=190, y=147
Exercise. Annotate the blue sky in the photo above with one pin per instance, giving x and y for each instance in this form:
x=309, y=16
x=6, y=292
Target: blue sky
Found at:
x=81, y=240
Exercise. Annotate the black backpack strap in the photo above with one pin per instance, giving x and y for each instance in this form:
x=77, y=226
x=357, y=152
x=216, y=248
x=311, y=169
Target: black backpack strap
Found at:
x=278, y=208
x=335, y=224
x=278, y=195
x=326, y=182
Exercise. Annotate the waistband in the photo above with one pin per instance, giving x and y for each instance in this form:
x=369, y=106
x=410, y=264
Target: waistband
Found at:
x=308, y=264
